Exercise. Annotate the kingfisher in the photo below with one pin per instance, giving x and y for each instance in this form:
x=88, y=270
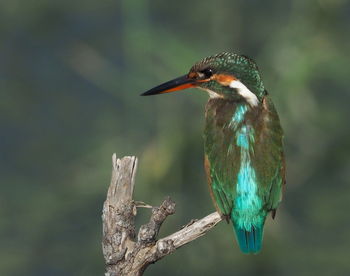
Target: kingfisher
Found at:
x=243, y=143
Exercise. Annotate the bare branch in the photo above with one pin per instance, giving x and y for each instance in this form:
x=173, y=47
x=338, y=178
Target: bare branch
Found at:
x=123, y=254
x=192, y=231
x=148, y=232
x=119, y=212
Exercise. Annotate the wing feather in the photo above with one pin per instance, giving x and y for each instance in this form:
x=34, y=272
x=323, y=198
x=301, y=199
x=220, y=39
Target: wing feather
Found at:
x=222, y=159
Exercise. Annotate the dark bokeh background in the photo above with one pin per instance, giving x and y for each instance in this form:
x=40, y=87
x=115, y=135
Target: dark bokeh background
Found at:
x=70, y=77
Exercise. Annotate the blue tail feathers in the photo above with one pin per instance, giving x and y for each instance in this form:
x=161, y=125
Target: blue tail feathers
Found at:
x=249, y=241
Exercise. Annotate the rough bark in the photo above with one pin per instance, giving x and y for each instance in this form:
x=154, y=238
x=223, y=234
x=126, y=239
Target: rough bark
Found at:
x=124, y=252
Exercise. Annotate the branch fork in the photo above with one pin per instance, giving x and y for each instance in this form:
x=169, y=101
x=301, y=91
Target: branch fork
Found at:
x=124, y=252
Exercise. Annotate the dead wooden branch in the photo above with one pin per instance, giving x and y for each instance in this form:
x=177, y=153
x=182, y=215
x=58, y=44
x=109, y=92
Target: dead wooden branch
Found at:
x=124, y=253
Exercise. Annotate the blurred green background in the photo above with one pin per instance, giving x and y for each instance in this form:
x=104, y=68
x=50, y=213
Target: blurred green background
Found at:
x=70, y=77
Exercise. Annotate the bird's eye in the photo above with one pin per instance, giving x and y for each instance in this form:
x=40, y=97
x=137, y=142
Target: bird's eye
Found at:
x=208, y=72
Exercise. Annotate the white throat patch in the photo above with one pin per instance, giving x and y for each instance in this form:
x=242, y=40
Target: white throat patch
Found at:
x=242, y=90
x=211, y=93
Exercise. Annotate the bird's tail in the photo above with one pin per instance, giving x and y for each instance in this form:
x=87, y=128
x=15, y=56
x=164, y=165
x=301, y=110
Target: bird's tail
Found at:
x=249, y=241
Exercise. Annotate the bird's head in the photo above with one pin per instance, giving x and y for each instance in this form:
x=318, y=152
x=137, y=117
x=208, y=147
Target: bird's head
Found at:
x=224, y=75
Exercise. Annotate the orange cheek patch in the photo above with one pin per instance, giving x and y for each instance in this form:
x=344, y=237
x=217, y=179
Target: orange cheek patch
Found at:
x=192, y=75
x=195, y=76
x=223, y=79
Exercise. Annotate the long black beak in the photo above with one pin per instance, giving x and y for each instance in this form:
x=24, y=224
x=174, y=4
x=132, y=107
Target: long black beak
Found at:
x=180, y=83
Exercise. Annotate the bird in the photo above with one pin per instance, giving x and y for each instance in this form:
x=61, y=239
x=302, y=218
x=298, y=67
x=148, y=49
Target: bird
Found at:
x=243, y=143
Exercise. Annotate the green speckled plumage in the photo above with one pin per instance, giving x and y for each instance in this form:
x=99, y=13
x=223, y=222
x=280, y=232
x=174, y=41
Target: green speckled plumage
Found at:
x=244, y=158
x=225, y=158
x=244, y=68
x=244, y=152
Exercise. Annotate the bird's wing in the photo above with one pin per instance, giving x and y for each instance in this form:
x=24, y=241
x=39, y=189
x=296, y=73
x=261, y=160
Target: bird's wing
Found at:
x=219, y=194
x=222, y=160
x=269, y=157
x=222, y=157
